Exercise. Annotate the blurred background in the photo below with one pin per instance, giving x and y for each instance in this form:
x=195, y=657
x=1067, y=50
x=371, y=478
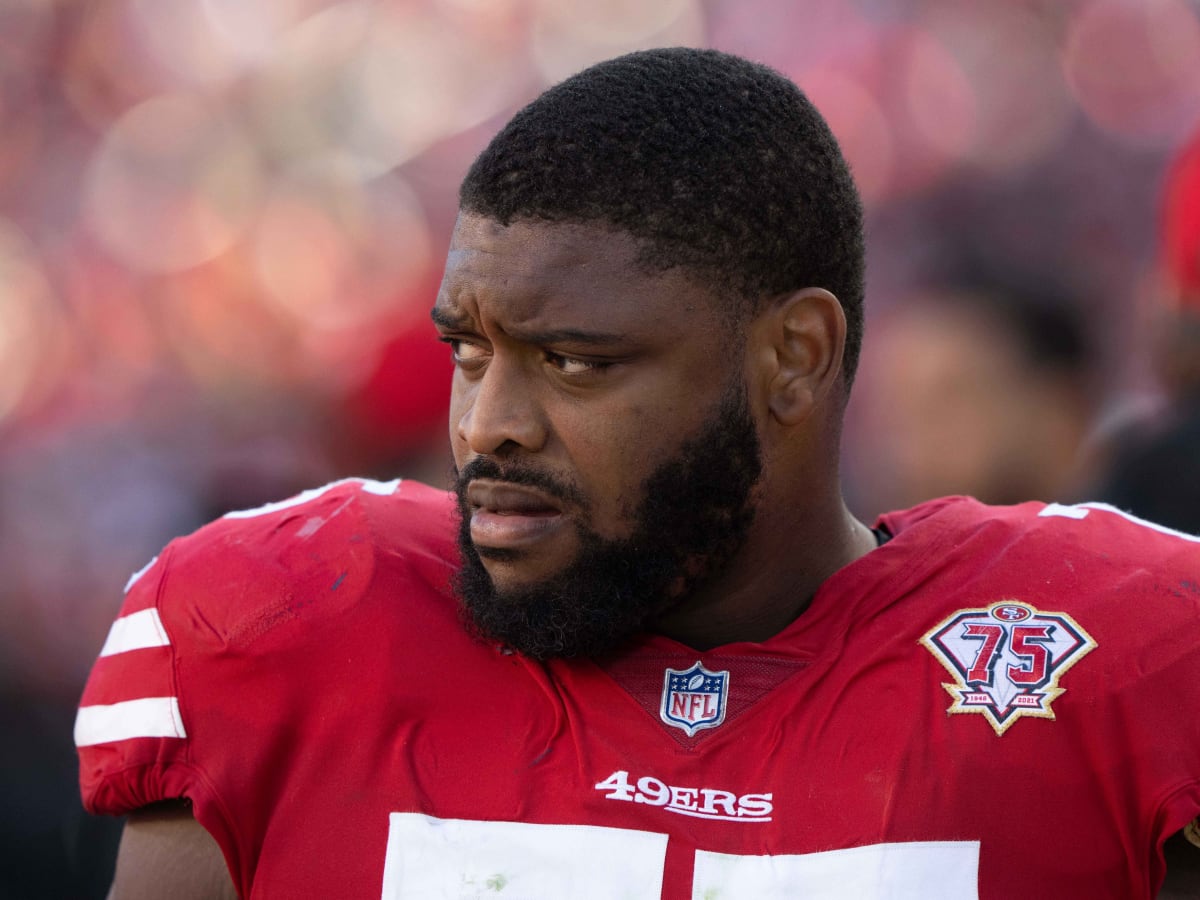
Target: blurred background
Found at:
x=222, y=225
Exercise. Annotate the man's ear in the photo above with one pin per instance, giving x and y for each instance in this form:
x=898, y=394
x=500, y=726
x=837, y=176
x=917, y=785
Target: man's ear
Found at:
x=801, y=341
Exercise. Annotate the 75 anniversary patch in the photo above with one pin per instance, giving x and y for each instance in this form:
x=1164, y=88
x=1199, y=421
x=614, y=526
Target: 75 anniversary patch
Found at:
x=1007, y=659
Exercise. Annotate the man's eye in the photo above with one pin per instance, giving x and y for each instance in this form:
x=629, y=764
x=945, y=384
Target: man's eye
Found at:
x=464, y=351
x=570, y=365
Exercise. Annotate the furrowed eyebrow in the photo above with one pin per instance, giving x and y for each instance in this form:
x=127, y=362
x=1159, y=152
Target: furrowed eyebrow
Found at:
x=567, y=336
x=448, y=320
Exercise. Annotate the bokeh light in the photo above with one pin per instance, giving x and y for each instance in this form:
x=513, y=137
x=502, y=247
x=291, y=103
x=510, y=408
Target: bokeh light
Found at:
x=1021, y=109
x=251, y=31
x=795, y=37
x=1134, y=67
x=106, y=67
x=335, y=252
x=180, y=37
x=22, y=127
x=173, y=184
x=569, y=35
x=939, y=101
x=376, y=86
x=32, y=329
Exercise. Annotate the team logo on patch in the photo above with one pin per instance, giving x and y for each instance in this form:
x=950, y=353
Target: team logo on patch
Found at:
x=1007, y=659
x=694, y=698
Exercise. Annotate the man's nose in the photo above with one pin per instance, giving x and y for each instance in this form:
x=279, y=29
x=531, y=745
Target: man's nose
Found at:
x=499, y=408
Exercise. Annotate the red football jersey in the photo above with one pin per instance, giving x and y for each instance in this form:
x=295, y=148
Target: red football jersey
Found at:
x=997, y=703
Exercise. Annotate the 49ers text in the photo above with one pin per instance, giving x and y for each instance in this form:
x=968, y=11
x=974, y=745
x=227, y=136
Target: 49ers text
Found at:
x=700, y=802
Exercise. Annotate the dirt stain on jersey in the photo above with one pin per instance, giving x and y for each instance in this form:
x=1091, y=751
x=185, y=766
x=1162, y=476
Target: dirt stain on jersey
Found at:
x=496, y=883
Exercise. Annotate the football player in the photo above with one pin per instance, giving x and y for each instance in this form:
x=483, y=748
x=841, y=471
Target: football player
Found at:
x=643, y=649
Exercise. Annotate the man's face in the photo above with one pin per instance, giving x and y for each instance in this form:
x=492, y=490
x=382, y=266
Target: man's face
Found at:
x=600, y=427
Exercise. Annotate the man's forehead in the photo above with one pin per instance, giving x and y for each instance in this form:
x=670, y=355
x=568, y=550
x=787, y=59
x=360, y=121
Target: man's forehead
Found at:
x=549, y=266
x=524, y=267
x=566, y=279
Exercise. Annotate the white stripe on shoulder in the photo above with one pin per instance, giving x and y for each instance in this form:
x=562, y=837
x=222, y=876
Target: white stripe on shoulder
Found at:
x=1080, y=511
x=1059, y=509
x=370, y=485
x=149, y=717
x=135, y=631
x=382, y=488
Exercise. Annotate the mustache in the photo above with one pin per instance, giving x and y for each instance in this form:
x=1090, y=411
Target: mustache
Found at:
x=485, y=467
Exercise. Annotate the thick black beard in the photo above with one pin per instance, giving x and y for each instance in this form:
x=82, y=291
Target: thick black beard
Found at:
x=695, y=513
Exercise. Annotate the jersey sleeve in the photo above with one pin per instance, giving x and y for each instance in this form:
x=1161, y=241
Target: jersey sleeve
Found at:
x=181, y=663
x=253, y=637
x=1134, y=587
x=131, y=738
x=210, y=666
x=1148, y=579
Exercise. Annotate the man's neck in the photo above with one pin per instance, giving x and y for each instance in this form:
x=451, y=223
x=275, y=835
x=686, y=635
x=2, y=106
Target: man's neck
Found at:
x=771, y=583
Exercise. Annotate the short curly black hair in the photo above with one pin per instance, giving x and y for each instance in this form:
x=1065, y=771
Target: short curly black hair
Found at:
x=718, y=165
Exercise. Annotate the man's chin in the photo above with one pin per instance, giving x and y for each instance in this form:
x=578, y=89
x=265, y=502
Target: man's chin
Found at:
x=515, y=573
x=544, y=614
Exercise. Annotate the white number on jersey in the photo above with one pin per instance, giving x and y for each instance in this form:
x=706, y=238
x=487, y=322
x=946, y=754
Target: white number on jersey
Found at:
x=458, y=859
x=1081, y=510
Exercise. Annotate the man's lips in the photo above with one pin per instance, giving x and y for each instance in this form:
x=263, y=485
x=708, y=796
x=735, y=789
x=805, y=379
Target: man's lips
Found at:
x=507, y=515
x=506, y=498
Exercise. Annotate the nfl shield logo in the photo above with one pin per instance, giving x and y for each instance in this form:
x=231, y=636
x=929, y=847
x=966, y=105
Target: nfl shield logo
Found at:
x=694, y=698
